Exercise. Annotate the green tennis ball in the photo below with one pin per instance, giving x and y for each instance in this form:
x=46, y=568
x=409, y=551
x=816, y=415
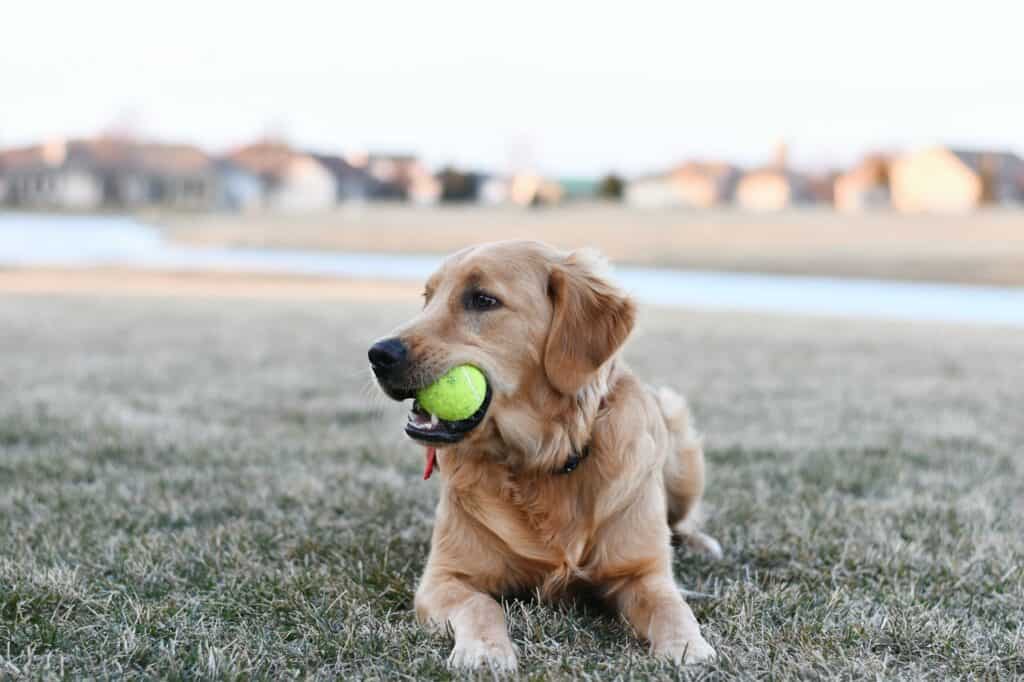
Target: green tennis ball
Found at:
x=458, y=394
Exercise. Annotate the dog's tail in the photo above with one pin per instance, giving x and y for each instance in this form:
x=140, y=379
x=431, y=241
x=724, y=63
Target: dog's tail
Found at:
x=684, y=474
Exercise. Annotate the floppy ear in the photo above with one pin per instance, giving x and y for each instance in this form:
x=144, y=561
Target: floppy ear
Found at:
x=591, y=320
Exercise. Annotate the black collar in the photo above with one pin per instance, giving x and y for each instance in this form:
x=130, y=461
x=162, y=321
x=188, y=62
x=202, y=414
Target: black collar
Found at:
x=574, y=460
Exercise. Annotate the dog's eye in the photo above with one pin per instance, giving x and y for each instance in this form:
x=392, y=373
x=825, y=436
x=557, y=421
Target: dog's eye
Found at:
x=478, y=300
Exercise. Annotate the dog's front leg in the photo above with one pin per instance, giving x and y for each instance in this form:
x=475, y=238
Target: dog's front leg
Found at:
x=476, y=619
x=653, y=605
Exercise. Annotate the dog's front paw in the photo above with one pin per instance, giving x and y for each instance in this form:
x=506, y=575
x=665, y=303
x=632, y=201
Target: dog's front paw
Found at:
x=478, y=653
x=693, y=650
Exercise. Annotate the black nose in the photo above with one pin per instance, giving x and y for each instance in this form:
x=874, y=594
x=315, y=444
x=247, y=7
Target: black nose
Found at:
x=388, y=355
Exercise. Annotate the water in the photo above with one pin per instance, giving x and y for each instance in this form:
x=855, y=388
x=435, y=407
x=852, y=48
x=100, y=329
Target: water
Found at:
x=83, y=241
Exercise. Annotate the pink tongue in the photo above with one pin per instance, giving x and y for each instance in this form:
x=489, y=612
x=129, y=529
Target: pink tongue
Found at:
x=431, y=461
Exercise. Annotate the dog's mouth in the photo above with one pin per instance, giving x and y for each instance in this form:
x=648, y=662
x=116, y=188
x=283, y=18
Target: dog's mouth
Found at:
x=428, y=428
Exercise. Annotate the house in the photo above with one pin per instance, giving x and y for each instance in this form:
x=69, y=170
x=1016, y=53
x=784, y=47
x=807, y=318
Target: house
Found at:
x=530, y=189
x=52, y=176
x=695, y=184
x=773, y=188
x=523, y=189
x=403, y=176
x=396, y=174
x=864, y=186
x=303, y=184
x=110, y=159
x=82, y=175
x=240, y=189
x=174, y=176
x=494, y=190
x=821, y=186
x=396, y=177
x=653, y=191
x=423, y=189
x=942, y=179
x=293, y=181
x=704, y=184
x=354, y=182
x=3, y=181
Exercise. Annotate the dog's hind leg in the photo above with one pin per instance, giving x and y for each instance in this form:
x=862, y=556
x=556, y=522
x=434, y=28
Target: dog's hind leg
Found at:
x=684, y=476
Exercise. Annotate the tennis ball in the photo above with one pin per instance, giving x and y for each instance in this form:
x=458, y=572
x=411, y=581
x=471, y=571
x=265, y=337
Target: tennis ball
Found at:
x=456, y=395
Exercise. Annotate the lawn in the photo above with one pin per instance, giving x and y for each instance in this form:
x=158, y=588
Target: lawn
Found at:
x=211, y=488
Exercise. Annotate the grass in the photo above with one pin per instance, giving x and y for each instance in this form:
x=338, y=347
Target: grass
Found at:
x=207, y=489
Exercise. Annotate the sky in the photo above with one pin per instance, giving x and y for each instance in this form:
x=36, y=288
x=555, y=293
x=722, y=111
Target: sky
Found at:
x=565, y=87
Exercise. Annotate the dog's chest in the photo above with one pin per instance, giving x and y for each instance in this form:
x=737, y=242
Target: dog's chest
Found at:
x=546, y=537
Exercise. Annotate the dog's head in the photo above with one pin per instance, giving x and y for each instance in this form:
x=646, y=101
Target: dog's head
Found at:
x=539, y=323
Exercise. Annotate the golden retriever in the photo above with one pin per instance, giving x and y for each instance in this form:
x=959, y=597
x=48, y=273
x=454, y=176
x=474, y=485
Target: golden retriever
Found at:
x=573, y=473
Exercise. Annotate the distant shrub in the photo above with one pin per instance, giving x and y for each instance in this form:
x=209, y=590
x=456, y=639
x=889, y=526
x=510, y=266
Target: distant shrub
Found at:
x=458, y=186
x=610, y=187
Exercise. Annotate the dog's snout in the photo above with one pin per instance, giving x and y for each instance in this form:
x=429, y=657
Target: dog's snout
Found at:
x=388, y=356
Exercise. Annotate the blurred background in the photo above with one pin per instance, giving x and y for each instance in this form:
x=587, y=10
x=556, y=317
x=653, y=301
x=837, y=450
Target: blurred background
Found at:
x=874, y=142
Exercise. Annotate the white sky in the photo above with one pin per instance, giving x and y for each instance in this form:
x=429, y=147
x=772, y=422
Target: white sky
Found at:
x=571, y=87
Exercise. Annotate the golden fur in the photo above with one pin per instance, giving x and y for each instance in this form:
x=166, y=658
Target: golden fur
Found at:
x=507, y=520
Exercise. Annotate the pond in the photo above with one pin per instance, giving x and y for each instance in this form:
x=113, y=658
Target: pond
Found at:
x=84, y=241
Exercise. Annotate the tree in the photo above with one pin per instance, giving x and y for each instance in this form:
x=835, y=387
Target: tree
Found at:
x=611, y=187
x=457, y=186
